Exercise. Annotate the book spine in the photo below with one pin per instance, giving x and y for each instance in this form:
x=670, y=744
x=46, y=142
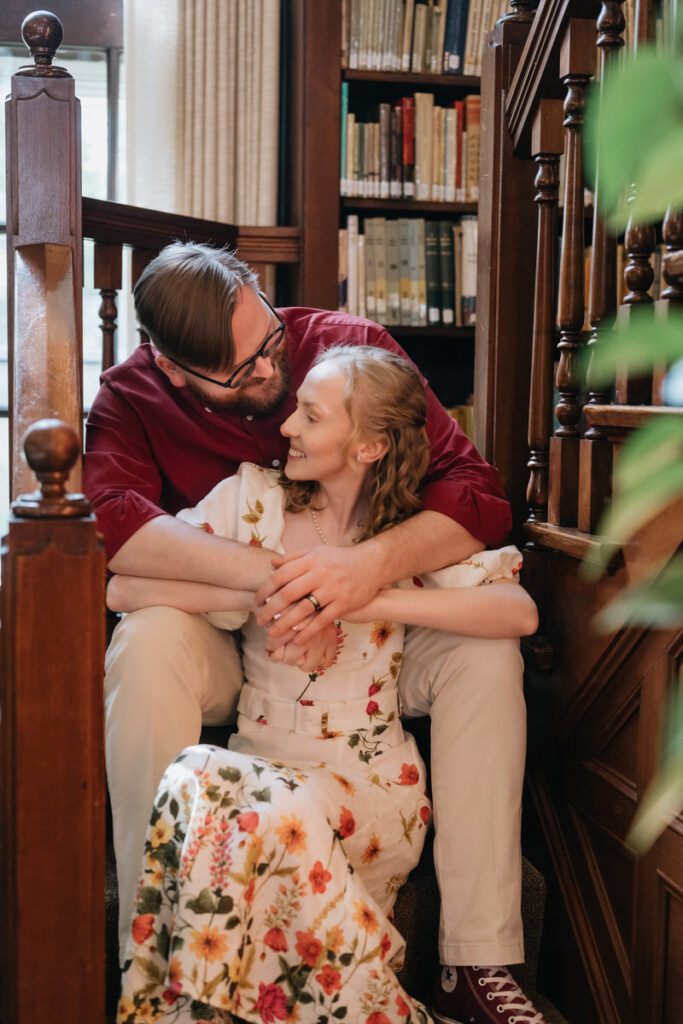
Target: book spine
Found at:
x=447, y=272
x=352, y=237
x=396, y=152
x=384, y=149
x=472, y=37
x=380, y=269
x=439, y=36
x=393, y=273
x=450, y=154
x=408, y=106
x=361, y=274
x=343, y=140
x=456, y=24
x=421, y=274
x=370, y=302
x=345, y=25
x=424, y=104
x=342, y=271
x=460, y=114
x=457, y=264
x=432, y=272
x=354, y=34
x=469, y=270
x=414, y=271
x=418, y=36
x=404, y=270
x=473, y=121
x=407, y=34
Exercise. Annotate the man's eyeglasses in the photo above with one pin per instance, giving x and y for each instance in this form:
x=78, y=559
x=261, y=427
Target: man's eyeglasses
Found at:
x=245, y=369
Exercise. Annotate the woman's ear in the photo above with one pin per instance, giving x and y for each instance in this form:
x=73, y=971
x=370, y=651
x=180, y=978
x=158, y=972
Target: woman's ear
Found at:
x=168, y=367
x=371, y=451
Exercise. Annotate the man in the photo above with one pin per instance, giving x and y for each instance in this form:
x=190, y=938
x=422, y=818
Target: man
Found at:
x=209, y=392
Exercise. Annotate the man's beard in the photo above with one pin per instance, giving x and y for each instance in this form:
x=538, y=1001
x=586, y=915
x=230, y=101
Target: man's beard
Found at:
x=257, y=397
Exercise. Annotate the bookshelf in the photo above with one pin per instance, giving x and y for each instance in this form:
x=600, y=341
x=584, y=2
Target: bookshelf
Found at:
x=444, y=353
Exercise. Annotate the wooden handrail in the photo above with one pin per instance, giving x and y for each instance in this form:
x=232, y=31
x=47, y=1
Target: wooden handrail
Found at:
x=118, y=224
x=536, y=73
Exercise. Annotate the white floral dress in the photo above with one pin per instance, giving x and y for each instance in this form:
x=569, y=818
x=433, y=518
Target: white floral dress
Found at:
x=270, y=868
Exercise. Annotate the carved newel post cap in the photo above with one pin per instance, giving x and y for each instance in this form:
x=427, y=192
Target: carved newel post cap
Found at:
x=51, y=448
x=43, y=34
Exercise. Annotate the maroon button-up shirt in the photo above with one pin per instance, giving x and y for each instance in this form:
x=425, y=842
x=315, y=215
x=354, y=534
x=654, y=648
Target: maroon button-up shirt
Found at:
x=152, y=448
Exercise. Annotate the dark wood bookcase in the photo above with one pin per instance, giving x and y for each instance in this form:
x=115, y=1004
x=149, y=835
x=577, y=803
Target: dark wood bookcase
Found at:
x=444, y=354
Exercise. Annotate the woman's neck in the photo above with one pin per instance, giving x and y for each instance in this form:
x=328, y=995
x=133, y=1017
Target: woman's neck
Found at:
x=342, y=510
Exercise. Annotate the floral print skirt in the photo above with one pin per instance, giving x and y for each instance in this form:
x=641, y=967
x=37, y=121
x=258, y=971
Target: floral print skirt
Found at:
x=266, y=887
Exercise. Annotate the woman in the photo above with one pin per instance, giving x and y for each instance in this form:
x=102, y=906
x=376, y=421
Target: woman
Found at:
x=270, y=867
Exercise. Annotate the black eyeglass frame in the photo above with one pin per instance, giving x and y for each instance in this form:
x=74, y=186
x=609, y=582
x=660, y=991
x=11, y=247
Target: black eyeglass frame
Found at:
x=266, y=348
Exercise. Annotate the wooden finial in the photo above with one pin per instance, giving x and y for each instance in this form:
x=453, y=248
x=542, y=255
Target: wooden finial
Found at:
x=43, y=33
x=51, y=448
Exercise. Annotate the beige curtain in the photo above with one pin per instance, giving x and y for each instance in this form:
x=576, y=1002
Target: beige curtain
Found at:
x=202, y=103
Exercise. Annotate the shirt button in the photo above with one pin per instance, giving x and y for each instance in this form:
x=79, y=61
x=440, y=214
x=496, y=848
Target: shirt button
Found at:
x=275, y=462
x=249, y=418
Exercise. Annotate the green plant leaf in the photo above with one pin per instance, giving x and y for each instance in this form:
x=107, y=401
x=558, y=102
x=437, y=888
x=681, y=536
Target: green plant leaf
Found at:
x=655, y=445
x=638, y=105
x=656, y=603
x=632, y=510
x=641, y=344
x=658, y=184
x=663, y=799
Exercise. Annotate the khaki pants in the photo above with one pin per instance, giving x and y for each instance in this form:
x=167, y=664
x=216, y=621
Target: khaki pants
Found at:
x=168, y=673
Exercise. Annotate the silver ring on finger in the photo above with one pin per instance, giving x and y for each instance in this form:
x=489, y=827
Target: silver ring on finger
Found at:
x=314, y=601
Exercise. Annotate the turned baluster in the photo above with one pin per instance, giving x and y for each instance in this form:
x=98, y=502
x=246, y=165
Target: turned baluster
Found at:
x=546, y=146
x=577, y=66
x=639, y=244
x=108, y=283
x=672, y=262
x=595, y=460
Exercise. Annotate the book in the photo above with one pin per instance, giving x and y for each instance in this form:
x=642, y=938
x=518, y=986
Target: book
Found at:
x=472, y=38
x=405, y=299
x=469, y=270
x=450, y=154
x=414, y=272
x=457, y=262
x=408, y=106
x=384, y=148
x=484, y=29
x=354, y=34
x=380, y=269
x=396, y=152
x=440, y=35
x=407, y=34
x=360, y=242
x=370, y=301
x=393, y=273
x=421, y=273
x=419, y=28
x=454, y=41
x=473, y=122
x=432, y=272
x=447, y=272
x=343, y=140
x=352, y=263
x=459, y=106
x=424, y=105
x=438, y=148
x=345, y=27
x=342, y=272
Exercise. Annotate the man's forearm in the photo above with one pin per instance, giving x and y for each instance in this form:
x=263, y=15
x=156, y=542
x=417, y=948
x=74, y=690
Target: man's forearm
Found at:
x=426, y=541
x=167, y=548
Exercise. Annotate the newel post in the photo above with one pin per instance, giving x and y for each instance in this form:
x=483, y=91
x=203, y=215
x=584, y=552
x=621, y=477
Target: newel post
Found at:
x=44, y=244
x=52, y=792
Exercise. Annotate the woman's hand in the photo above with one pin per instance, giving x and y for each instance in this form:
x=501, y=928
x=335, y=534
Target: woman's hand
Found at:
x=312, y=656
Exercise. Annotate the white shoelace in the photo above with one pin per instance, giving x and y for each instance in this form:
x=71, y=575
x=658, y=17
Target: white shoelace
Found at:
x=504, y=987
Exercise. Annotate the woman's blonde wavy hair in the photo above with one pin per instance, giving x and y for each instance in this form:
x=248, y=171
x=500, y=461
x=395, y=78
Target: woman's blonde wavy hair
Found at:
x=385, y=399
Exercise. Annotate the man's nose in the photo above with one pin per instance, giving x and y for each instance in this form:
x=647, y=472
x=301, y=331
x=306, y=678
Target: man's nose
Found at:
x=263, y=367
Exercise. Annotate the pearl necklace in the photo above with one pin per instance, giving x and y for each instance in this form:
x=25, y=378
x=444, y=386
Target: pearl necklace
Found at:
x=316, y=523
